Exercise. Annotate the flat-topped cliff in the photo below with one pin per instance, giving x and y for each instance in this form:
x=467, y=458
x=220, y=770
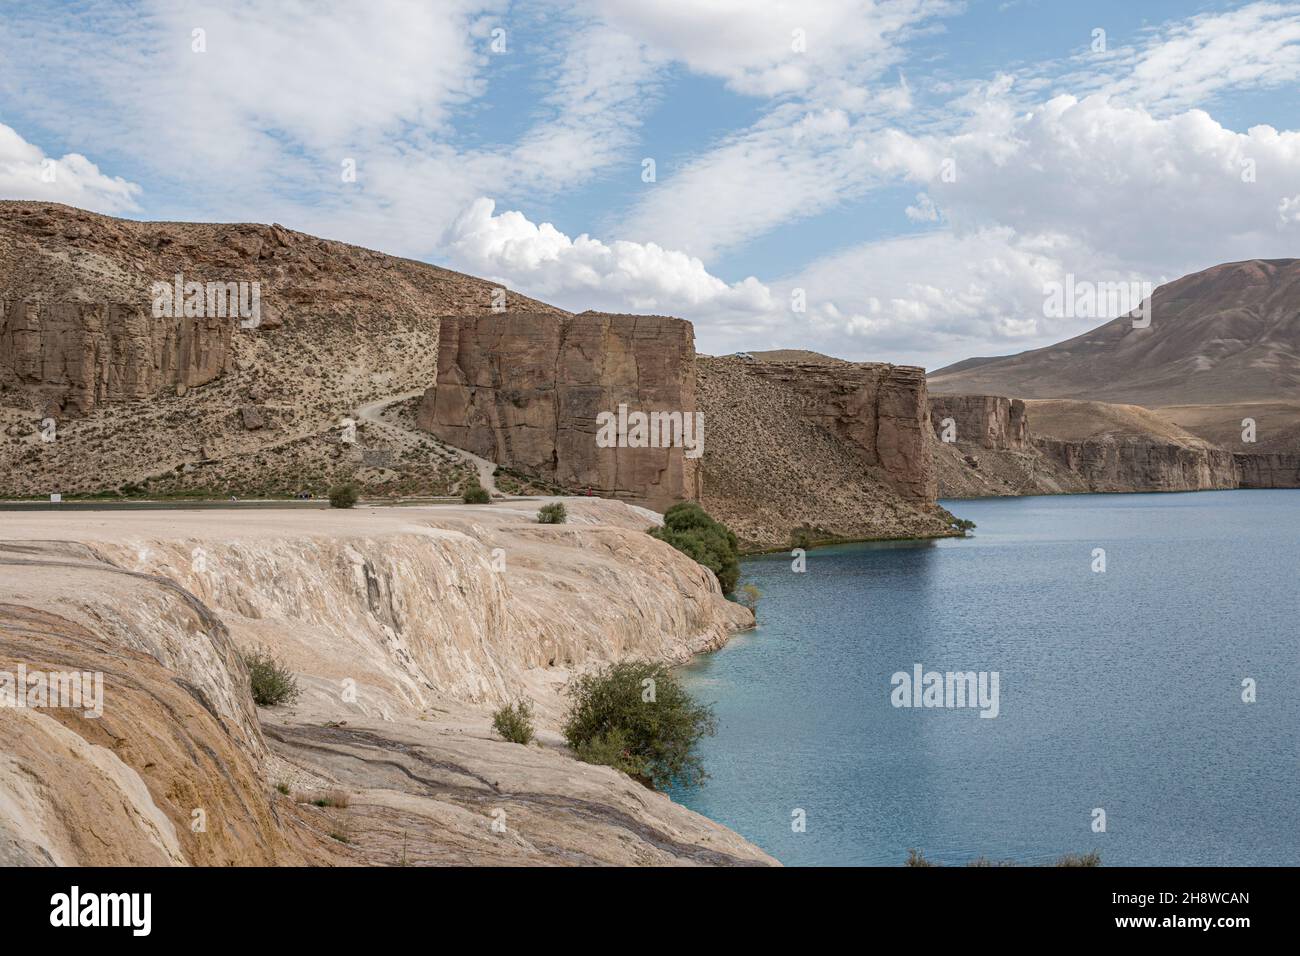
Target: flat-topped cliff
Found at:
x=1009, y=447
x=525, y=390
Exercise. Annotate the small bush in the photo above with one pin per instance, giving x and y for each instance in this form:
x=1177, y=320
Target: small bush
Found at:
x=636, y=717
x=335, y=798
x=282, y=788
x=917, y=858
x=344, y=495
x=1080, y=859
x=692, y=531
x=476, y=494
x=514, y=722
x=270, y=681
x=554, y=513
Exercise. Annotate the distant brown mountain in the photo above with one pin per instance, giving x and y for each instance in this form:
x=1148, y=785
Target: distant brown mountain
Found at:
x=1230, y=334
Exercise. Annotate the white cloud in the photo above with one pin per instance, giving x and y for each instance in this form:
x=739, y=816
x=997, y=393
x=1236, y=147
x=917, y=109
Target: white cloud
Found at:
x=588, y=273
x=27, y=173
x=812, y=48
x=1190, y=61
x=1288, y=211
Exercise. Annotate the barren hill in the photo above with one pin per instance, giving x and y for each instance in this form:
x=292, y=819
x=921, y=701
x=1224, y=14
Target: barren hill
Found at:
x=1228, y=334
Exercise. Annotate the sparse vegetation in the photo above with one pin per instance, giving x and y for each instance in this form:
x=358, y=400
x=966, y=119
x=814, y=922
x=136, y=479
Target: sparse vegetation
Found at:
x=282, y=788
x=514, y=722
x=475, y=494
x=344, y=495
x=269, y=680
x=635, y=716
x=963, y=525
x=748, y=595
x=554, y=513
x=335, y=798
x=691, y=530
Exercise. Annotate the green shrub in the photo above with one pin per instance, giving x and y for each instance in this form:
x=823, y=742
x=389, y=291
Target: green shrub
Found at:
x=270, y=681
x=514, y=722
x=475, y=494
x=344, y=495
x=691, y=530
x=609, y=749
x=636, y=717
x=554, y=513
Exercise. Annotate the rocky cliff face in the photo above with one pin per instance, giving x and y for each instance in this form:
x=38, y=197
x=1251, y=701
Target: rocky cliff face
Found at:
x=75, y=356
x=988, y=421
x=1008, y=447
x=838, y=449
x=1268, y=470
x=1138, y=464
x=525, y=389
x=403, y=630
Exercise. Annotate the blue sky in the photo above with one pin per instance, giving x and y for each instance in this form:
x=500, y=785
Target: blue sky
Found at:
x=916, y=171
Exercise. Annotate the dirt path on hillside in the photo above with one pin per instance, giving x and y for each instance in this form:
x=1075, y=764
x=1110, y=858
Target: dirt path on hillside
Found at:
x=373, y=412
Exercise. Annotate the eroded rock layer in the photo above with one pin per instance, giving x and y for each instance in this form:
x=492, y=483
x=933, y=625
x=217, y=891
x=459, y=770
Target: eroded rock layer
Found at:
x=404, y=628
x=77, y=356
x=1008, y=447
x=525, y=389
x=1268, y=470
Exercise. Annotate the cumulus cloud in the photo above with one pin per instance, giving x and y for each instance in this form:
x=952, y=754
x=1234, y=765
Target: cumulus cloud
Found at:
x=585, y=273
x=1157, y=193
x=27, y=173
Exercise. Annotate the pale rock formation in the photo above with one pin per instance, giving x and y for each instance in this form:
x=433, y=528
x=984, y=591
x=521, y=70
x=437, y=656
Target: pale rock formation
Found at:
x=404, y=627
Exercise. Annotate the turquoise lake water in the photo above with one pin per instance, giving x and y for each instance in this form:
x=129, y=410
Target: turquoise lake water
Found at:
x=1119, y=690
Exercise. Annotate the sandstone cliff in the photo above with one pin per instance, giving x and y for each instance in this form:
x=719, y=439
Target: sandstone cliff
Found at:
x=404, y=626
x=74, y=356
x=525, y=389
x=838, y=449
x=1009, y=447
x=987, y=421
x=1268, y=469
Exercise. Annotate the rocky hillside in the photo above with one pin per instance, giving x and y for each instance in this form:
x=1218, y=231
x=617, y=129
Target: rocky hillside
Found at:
x=838, y=450
x=403, y=627
x=1228, y=334
x=97, y=394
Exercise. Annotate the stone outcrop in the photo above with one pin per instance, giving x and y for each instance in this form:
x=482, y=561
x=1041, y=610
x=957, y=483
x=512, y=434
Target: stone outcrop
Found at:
x=1268, y=470
x=403, y=636
x=76, y=356
x=989, y=421
x=1137, y=464
x=837, y=450
x=1007, y=447
x=524, y=390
